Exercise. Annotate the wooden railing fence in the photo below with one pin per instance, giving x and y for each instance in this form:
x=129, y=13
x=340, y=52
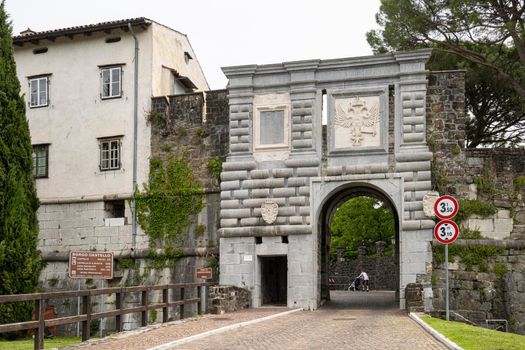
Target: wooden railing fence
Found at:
x=86, y=316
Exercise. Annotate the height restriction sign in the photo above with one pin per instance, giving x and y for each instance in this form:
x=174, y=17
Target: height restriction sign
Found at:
x=446, y=207
x=446, y=231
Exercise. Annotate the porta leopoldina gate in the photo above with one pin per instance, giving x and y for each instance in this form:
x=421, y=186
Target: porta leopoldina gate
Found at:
x=281, y=183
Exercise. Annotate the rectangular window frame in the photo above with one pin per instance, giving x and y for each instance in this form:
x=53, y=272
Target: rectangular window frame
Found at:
x=285, y=145
x=107, y=160
x=37, y=80
x=36, y=160
x=110, y=70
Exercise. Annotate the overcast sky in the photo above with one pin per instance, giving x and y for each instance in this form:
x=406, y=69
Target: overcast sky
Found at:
x=225, y=32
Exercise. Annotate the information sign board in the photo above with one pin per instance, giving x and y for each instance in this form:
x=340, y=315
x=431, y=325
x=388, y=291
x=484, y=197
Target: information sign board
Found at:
x=205, y=273
x=89, y=264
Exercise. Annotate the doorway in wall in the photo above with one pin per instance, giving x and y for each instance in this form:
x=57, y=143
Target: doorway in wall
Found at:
x=274, y=270
x=359, y=231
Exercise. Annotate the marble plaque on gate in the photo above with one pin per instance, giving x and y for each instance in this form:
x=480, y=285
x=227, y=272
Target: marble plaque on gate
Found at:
x=357, y=122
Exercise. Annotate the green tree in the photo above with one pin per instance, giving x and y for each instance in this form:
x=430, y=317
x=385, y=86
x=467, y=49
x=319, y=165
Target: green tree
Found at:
x=20, y=263
x=486, y=32
x=484, y=37
x=361, y=221
x=496, y=113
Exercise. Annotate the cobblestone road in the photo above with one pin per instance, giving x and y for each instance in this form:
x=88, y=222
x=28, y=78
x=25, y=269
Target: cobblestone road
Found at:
x=352, y=320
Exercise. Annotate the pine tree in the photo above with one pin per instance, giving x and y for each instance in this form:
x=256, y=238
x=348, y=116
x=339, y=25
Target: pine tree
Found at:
x=20, y=262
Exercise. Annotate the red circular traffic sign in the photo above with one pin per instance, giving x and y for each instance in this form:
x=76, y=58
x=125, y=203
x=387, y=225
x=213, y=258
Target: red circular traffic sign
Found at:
x=446, y=207
x=446, y=231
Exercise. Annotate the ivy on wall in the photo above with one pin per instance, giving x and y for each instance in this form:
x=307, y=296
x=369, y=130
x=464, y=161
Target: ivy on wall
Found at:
x=215, y=166
x=170, y=200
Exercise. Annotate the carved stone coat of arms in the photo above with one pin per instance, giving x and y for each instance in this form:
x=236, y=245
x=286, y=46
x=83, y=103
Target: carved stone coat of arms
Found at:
x=356, y=122
x=269, y=210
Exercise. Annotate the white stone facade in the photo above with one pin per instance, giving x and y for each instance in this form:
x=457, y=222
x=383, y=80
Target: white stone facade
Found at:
x=361, y=156
x=76, y=193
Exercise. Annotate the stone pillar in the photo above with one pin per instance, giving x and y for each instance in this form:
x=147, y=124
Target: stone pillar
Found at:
x=340, y=254
x=380, y=249
x=414, y=297
x=361, y=253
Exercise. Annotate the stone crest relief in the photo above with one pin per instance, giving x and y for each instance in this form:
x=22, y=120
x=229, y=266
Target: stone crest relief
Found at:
x=429, y=200
x=269, y=210
x=356, y=122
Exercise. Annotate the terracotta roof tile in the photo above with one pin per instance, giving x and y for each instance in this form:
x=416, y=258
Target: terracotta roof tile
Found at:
x=89, y=28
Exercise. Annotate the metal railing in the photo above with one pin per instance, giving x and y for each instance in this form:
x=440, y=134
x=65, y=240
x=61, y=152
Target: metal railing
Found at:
x=86, y=316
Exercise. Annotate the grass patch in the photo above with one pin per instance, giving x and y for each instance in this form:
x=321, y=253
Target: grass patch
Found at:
x=28, y=343
x=476, y=338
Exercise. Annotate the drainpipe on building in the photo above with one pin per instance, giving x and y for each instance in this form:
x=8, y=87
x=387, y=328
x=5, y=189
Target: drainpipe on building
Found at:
x=135, y=107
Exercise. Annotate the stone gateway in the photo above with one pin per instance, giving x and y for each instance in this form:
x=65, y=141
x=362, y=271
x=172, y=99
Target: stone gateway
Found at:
x=281, y=183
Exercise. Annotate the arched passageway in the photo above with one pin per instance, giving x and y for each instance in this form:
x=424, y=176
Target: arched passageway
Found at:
x=342, y=197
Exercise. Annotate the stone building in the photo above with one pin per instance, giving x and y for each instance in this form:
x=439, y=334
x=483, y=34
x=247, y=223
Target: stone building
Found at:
x=79, y=87
x=277, y=191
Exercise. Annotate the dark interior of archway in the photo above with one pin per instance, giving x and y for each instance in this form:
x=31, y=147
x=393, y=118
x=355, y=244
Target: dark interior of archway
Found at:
x=274, y=280
x=329, y=209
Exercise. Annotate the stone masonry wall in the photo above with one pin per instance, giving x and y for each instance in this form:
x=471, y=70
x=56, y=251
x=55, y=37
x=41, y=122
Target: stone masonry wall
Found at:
x=193, y=125
x=488, y=175
x=84, y=226
x=179, y=129
x=495, y=288
x=381, y=270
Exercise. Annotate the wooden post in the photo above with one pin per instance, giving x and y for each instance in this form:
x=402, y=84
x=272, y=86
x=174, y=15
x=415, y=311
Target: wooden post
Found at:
x=165, y=309
x=144, y=314
x=181, y=305
x=118, y=306
x=40, y=331
x=86, y=310
x=200, y=302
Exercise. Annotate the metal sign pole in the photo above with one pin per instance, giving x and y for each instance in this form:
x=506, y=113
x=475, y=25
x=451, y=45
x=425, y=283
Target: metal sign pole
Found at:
x=78, y=310
x=446, y=281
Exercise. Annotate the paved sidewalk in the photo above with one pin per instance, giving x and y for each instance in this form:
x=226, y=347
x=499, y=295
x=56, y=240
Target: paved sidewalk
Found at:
x=147, y=338
x=352, y=320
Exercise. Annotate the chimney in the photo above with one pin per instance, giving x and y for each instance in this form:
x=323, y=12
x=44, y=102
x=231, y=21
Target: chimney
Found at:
x=26, y=32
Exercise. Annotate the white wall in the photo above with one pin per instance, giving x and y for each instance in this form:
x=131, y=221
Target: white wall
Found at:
x=168, y=50
x=77, y=116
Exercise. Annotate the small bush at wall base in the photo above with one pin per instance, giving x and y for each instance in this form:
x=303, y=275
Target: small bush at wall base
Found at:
x=470, y=255
x=94, y=327
x=156, y=118
x=519, y=183
x=152, y=316
x=470, y=207
x=439, y=179
x=466, y=233
x=486, y=183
